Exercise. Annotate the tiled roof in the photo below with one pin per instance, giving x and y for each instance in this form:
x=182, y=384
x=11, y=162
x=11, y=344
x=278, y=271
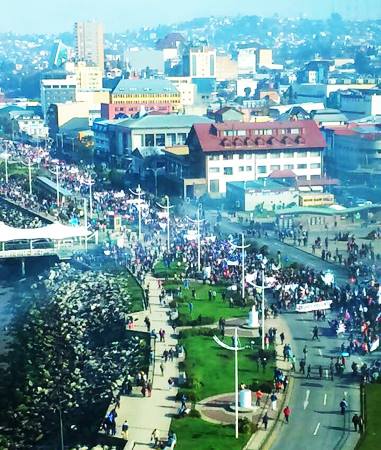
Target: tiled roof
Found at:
x=213, y=137
x=286, y=173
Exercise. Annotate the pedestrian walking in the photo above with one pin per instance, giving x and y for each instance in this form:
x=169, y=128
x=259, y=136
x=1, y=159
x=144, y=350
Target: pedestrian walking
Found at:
x=273, y=399
x=320, y=372
x=258, y=396
x=282, y=337
x=171, y=383
x=148, y=323
x=302, y=366
x=356, y=421
x=305, y=351
x=155, y=438
x=265, y=420
x=162, y=369
x=125, y=430
x=309, y=371
x=315, y=333
x=287, y=413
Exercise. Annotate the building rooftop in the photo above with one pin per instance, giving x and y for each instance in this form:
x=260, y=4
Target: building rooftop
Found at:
x=164, y=121
x=262, y=184
x=235, y=135
x=151, y=86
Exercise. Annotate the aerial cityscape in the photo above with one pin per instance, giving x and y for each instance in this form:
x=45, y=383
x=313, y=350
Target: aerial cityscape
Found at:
x=190, y=225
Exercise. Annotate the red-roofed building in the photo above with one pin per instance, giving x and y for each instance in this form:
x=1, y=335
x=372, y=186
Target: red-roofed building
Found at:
x=236, y=151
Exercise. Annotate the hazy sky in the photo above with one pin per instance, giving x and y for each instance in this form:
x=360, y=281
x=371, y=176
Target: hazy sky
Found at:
x=55, y=16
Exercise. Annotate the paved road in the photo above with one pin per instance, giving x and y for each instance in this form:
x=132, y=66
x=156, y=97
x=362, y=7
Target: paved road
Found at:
x=316, y=422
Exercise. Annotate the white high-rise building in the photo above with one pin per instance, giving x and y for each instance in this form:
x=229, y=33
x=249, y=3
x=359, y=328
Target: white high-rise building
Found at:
x=89, y=43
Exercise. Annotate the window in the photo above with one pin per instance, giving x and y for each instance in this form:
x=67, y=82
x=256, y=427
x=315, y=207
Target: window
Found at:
x=228, y=156
x=241, y=155
x=181, y=138
x=289, y=166
x=275, y=167
x=315, y=166
x=228, y=170
x=302, y=166
x=261, y=156
x=314, y=153
x=249, y=168
x=241, y=169
x=160, y=140
x=214, y=170
x=262, y=169
x=214, y=157
x=248, y=156
x=214, y=186
x=301, y=155
x=302, y=177
x=295, y=130
x=275, y=154
x=149, y=140
x=171, y=138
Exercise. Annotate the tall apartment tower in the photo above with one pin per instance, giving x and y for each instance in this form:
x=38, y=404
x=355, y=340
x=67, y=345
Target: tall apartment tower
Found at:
x=89, y=45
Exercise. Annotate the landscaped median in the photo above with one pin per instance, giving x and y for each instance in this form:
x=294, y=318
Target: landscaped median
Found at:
x=204, y=304
x=209, y=372
x=371, y=438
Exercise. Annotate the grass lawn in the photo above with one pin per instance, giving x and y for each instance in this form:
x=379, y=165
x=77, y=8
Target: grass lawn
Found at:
x=212, y=368
x=372, y=436
x=162, y=271
x=193, y=433
x=202, y=305
x=135, y=292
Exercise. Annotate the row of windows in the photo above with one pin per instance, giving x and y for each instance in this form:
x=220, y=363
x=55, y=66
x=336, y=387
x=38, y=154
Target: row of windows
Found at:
x=263, y=169
x=230, y=156
x=263, y=132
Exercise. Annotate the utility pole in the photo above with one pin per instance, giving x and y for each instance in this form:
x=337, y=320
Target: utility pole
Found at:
x=236, y=348
x=242, y=247
x=85, y=219
x=198, y=222
x=139, y=194
x=167, y=207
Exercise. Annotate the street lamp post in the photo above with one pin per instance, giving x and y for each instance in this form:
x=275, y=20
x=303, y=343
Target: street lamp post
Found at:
x=29, y=173
x=139, y=194
x=263, y=287
x=198, y=222
x=90, y=182
x=155, y=172
x=242, y=247
x=236, y=348
x=167, y=207
x=85, y=219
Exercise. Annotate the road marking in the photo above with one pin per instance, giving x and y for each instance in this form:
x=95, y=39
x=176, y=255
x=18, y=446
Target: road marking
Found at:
x=317, y=429
x=320, y=352
x=325, y=399
x=326, y=373
x=345, y=393
x=305, y=404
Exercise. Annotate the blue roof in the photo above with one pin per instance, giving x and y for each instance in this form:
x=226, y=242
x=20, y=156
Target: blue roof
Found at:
x=151, y=86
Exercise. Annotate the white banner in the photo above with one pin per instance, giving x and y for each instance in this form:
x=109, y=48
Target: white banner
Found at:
x=374, y=345
x=314, y=306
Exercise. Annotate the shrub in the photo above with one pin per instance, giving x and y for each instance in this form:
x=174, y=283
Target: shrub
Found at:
x=245, y=426
x=195, y=413
x=197, y=332
x=173, y=304
x=264, y=386
x=189, y=394
x=200, y=320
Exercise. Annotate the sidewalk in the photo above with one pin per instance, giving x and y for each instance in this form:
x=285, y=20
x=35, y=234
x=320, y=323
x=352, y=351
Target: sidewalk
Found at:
x=144, y=414
x=260, y=438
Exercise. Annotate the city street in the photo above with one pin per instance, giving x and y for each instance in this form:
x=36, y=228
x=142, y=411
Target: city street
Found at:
x=315, y=421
